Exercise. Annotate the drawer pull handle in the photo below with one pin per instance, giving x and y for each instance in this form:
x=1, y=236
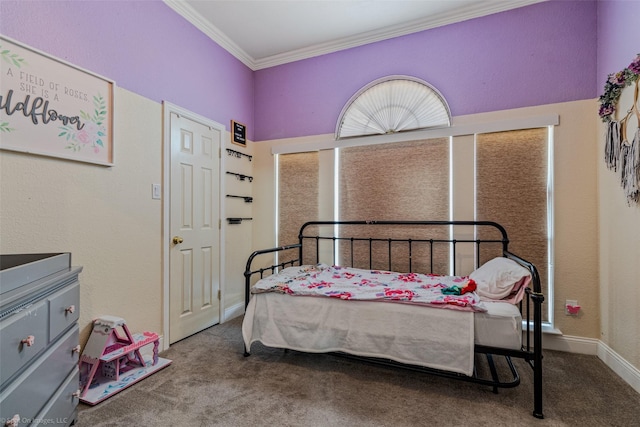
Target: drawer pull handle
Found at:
x=70, y=309
x=76, y=349
x=28, y=341
x=13, y=421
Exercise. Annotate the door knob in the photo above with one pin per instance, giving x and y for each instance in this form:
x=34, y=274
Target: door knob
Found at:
x=177, y=240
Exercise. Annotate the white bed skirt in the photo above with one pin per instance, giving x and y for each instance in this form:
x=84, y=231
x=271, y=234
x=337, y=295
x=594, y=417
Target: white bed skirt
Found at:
x=431, y=337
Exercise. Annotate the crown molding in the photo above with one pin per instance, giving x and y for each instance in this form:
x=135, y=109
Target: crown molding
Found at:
x=195, y=18
x=474, y=11
x=469, y=12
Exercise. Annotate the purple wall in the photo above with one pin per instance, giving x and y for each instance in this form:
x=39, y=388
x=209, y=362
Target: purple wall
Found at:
x=539, y=54
x=144, y=46
x=618, y=37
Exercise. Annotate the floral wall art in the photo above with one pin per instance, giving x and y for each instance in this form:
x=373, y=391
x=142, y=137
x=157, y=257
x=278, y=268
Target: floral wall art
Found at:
x=49, y=107
x=622, y=144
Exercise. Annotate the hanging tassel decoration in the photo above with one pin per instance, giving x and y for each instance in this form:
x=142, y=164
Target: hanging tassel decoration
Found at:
x=633, y=161
x=635, y=176
x=612, y=145
x=624, y=157
x=630, y=165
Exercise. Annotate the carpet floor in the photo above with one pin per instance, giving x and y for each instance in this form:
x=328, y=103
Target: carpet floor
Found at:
x=211, y=383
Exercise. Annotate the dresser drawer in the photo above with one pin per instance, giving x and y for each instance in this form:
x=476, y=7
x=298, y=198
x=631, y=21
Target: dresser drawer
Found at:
x=64, y=308
x=62, y=409
x=28, y=393
x=31, y=321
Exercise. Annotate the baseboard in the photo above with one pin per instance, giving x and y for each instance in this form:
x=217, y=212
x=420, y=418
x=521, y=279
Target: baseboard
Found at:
x=228, y=314
x=570, y=344
x=233, y=312
x=625, y=370
x=629, y=373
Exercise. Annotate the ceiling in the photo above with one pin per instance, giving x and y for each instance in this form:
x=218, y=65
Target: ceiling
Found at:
x=266, y=33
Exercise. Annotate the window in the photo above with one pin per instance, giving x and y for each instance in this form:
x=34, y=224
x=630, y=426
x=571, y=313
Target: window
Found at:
x=501, y=176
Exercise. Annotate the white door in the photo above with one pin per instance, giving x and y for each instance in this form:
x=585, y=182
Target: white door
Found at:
x=194, y=259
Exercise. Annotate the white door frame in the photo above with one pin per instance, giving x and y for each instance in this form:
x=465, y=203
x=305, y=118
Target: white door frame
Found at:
x=169, y=108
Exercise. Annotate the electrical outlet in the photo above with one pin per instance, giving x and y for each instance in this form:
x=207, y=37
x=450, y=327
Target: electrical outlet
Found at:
x=156, y=191
x=571, y=307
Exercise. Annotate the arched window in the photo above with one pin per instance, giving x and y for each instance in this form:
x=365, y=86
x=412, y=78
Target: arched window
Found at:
x=393, y=104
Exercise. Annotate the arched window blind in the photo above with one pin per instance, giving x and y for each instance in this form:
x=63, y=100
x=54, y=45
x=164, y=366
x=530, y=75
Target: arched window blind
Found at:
x=393, y=104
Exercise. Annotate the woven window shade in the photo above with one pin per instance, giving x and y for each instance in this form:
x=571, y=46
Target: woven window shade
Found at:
x=298, y=176
x=393, y=104
x=512, y=190
x=404, y=180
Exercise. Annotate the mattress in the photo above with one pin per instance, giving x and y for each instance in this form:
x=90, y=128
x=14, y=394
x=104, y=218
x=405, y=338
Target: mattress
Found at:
x=433, y=337
x=500, y=326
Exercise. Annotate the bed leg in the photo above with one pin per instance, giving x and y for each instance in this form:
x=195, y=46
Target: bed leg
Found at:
x=537, y=387
x=537, y=390
x=537, y=356
x=494, y=372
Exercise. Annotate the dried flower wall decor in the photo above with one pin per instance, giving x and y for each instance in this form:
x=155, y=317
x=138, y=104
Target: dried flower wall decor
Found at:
x=613, y=88
x=620, y=152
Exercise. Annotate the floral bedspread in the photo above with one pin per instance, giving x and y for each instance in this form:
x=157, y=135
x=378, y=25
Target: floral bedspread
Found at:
x=374, y=285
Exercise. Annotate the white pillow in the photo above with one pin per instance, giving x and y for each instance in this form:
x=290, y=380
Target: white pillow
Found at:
x=499, y=278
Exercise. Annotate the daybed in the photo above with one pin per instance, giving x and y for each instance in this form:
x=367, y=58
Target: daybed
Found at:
x=390, y=291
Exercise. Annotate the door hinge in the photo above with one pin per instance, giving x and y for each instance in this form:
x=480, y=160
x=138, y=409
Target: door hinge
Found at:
x=219, y=294
x=219, y=152
x=219, y=224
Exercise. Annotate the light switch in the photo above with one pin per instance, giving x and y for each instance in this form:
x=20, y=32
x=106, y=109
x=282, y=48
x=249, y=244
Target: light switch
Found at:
x=156, y=191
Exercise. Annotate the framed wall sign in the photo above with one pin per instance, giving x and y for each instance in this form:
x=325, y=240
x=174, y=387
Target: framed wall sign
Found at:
x=238, y=133
x=52, y=108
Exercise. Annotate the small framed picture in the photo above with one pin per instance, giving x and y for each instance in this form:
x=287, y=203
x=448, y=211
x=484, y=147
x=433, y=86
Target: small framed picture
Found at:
x=238, y=133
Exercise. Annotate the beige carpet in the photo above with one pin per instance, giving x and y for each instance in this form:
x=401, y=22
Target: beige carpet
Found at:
x=210, y=383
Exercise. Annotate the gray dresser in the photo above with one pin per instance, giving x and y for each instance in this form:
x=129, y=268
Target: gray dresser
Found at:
x=39, y=339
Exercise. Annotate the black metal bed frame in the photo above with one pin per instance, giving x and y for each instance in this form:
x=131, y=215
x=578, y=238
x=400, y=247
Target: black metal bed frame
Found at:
x=530, y=307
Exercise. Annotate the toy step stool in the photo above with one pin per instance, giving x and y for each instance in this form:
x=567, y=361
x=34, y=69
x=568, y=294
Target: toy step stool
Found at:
x=112, y=360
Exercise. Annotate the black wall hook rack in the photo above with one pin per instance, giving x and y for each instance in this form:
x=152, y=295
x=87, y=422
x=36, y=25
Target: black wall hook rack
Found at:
x=247, y=199
x=238, y=154
x=238, y=220
x=240, y=176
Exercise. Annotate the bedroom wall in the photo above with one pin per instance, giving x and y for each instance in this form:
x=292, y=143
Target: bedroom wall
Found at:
x=105, y=216
x=619, y=223
x=535, y=55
